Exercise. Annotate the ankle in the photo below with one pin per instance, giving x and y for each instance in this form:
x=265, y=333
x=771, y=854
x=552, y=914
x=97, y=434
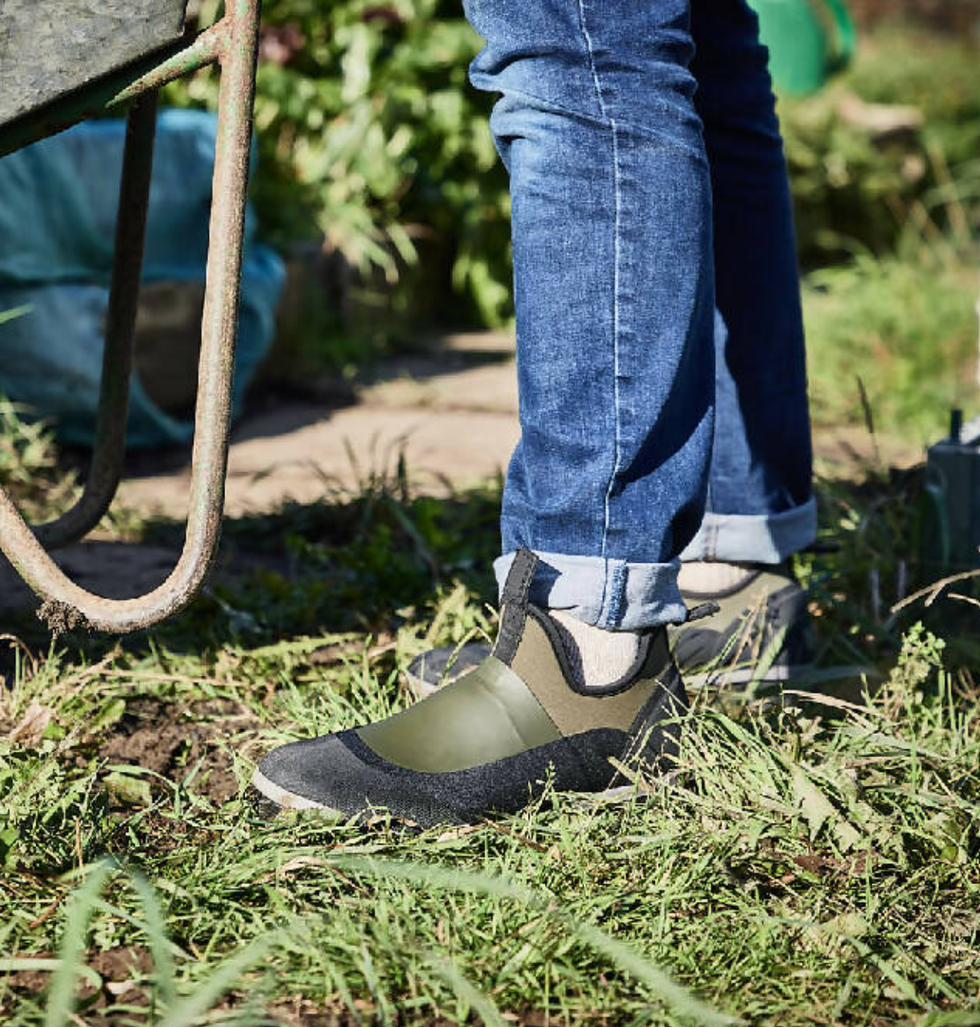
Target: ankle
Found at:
x=596, y=656
x=709, y=577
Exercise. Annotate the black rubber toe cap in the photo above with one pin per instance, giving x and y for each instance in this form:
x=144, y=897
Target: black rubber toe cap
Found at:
x=328, y=772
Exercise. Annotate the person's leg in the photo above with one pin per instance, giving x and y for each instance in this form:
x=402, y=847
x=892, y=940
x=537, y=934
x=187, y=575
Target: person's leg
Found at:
x=614, y=290
x=760, y=507
x=613, y=284
x=759, y=503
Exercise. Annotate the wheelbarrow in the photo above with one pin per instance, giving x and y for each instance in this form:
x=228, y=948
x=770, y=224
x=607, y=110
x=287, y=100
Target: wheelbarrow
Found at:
x=62, y=61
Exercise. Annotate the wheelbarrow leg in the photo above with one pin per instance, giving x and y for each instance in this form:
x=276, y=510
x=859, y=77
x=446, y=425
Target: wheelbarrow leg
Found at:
x=66, y=604
x=117, y=358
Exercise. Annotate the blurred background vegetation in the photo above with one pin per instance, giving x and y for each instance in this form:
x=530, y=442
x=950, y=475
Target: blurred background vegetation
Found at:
x=379, y=180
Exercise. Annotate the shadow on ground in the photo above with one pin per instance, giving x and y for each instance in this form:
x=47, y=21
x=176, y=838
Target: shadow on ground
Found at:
x=355, y=565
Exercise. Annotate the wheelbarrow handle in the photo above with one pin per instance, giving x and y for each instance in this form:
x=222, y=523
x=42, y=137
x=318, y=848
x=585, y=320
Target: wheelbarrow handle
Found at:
x=117, y=358
x=65, y=603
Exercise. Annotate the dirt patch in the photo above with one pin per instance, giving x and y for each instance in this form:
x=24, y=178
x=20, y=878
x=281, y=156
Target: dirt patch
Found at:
x=122, y=971
x=118, y=570
x=171, y=740
x=22, y=984
x=301, y=1012
x=61, y=618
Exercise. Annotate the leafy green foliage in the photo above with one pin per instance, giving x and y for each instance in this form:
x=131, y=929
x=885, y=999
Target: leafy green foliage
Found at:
x=856, y=184
x=933, y=73
x=370, y=134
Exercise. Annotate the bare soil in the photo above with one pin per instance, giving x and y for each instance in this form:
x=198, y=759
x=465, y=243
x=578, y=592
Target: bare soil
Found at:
x=171, y=740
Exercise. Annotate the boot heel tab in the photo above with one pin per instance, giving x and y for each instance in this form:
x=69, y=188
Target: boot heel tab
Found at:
x=702, y=610
x=519, y=578
x=513, y=605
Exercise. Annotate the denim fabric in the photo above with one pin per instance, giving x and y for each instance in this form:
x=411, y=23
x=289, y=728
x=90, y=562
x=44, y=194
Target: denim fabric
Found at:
x=618, y=122
x=760, y=506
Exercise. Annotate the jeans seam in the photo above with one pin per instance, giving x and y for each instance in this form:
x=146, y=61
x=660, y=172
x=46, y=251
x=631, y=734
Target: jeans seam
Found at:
x=617, y=433
x=612, y=615
x=617, y=451
x=592, y=68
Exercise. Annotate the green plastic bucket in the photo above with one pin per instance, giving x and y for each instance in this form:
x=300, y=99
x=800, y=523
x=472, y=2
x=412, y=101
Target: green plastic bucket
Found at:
x=808, y=41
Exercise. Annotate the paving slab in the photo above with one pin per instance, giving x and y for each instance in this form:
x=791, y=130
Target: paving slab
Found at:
x=490, y=388
x=341, y=450
x=452, y=411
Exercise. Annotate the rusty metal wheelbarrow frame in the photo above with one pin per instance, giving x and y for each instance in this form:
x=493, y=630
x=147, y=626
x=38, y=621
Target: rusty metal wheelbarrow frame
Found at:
x=232, y=44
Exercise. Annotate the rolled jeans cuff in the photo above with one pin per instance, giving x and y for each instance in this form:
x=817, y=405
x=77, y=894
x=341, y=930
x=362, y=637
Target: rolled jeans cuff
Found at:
x=755, y=538
x=613, y=594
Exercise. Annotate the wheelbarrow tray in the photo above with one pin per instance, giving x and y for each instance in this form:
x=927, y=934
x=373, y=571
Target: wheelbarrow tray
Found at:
x=50, y=48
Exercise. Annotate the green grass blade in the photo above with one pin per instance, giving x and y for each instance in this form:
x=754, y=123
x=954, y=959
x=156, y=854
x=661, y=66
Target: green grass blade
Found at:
x=674, y=994
x=188, y=1010
x=899, y=980
x=768, y=657
x=28, y=964
x=116, y=911
x=467, y=990
x=956, y=1018
x=61, y=993
x=9, y=315
x=159, y=943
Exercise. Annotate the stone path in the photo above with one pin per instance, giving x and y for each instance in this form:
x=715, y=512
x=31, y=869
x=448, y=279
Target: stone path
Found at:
x=452, y=411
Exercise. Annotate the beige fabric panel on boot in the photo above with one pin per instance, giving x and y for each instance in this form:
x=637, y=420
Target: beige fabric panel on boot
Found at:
x=537, y=665
x=597, y=657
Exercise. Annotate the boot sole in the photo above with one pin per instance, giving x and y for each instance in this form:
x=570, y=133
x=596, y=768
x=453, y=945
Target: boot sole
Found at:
x=286, y=800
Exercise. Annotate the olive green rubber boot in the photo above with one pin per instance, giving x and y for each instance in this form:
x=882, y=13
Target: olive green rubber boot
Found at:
x=761, y=631
x=487, y=742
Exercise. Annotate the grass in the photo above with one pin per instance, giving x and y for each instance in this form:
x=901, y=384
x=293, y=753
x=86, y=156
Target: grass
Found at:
x=905, y=331
x=815, y=863
x=29, y=463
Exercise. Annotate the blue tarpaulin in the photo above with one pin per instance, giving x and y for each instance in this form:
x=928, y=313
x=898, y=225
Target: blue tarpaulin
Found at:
x=58, y=203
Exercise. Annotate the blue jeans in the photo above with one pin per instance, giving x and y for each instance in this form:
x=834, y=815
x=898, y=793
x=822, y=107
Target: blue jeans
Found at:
x=660, y=352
